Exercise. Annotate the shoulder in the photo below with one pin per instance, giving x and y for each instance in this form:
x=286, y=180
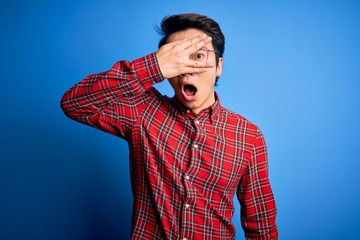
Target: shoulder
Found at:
x=155, y=94
x=156, y=99
x=237, y=122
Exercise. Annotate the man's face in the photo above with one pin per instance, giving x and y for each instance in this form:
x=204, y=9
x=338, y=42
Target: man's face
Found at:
x=196, y=91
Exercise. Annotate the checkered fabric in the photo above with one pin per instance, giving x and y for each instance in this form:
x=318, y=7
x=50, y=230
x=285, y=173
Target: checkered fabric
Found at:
x=185, y=168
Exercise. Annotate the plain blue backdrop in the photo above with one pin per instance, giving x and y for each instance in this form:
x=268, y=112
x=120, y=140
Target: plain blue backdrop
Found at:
x=291, y=67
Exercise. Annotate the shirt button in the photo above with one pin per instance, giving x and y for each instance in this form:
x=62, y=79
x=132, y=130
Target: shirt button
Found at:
x=197, y=122
x=188, y=111
x=195, y=146
x=187, y=177
x=187, y=205
x=184, y=239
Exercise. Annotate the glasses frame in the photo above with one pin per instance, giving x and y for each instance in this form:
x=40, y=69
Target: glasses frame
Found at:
x=207, y=51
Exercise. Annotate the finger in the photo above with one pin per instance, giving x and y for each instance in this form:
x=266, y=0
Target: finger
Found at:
x=195, y=70
x=195, y=64
x=196, y=46
x=195, y=67
x=195, y=41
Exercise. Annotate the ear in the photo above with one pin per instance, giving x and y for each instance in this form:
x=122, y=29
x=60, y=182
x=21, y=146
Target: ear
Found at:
x=219, y=67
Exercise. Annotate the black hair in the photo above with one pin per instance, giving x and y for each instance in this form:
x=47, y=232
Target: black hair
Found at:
x=180, y=22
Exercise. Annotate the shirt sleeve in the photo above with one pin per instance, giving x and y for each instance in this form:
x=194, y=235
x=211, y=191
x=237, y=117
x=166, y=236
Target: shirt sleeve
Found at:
x=258, y=209
x=112, y=101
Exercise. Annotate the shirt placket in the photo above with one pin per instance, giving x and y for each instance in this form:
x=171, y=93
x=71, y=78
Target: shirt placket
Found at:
x=189, y=204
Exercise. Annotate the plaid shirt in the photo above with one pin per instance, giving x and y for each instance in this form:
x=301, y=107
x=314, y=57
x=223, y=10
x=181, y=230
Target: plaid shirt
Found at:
x=185, y=168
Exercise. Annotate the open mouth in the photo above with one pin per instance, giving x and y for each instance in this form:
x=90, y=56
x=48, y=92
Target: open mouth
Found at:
x=190, y=90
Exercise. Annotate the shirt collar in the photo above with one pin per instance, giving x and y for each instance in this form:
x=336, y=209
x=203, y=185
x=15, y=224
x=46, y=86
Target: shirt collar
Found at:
x=209, y=112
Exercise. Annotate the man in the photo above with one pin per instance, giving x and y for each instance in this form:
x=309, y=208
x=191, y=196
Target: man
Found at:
x=189, y=155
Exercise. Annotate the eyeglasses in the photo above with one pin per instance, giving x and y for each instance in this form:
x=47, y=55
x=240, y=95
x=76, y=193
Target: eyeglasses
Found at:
x=202, y=55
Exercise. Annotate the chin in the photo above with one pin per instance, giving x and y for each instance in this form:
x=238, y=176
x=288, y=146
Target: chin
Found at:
x=191, y=106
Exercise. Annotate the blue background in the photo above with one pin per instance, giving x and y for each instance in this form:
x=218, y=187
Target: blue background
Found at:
x=291, y=67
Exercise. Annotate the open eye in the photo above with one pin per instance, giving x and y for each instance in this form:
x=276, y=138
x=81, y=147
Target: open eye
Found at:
x=199, y=56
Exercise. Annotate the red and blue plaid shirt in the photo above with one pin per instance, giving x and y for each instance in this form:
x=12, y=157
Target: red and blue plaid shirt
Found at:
x=185, y=168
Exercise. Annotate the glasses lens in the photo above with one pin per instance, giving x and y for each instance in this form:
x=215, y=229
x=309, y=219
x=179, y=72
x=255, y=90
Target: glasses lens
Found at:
x=200, y=55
